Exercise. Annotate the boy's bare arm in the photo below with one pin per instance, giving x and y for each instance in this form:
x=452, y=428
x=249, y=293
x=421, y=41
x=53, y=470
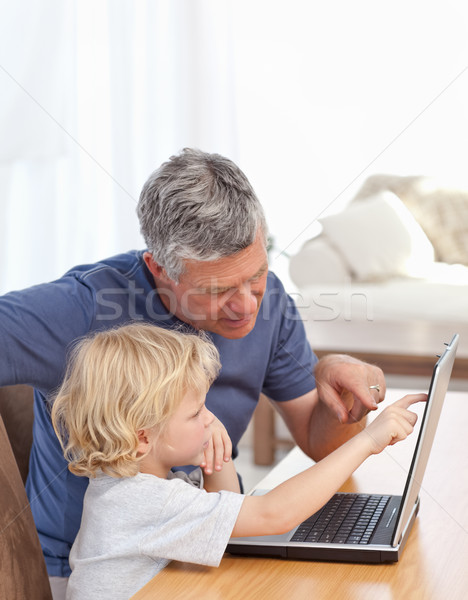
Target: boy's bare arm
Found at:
x=296, y=499
x=225, y=479
x=219, y=472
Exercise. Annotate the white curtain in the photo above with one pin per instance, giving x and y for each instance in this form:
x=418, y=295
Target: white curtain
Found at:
x=94, y=96
x=309, y=98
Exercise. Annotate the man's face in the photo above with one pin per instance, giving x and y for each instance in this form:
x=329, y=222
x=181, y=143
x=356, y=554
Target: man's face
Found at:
x=222, y=296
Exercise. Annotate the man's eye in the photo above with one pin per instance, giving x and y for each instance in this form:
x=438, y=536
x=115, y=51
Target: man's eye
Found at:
x=211, y=292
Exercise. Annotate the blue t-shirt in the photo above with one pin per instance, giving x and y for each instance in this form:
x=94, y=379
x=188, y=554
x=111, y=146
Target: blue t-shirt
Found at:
x=39, y=325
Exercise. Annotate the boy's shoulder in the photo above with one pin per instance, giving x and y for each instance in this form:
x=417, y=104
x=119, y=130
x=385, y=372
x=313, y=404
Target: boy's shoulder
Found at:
x=107, y=484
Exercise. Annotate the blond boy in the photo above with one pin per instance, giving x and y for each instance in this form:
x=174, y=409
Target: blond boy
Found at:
x=131, y=408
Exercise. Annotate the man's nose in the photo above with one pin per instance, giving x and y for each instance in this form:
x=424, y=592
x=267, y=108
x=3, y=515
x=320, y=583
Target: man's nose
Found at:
x=243, y=301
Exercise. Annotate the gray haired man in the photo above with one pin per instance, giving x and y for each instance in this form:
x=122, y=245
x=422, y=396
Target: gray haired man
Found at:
x=205, y=268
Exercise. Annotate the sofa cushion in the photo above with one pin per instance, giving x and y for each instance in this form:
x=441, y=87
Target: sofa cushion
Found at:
x=379, y=238
x=443, y=214
x=441, y=208
x=318, y=262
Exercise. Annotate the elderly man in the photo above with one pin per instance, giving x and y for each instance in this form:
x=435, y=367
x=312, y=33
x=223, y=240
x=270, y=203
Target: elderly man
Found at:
x=205, y=268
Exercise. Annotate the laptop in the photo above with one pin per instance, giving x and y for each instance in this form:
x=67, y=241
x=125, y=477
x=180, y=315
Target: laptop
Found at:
x=367, y=528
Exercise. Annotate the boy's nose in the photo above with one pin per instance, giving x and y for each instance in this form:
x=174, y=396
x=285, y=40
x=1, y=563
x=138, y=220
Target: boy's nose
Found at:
x=209, y=417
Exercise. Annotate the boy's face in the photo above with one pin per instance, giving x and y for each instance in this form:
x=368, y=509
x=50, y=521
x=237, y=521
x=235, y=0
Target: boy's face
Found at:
x=184, y=440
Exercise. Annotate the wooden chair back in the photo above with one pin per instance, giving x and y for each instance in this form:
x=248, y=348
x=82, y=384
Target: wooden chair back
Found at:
x=23, y=573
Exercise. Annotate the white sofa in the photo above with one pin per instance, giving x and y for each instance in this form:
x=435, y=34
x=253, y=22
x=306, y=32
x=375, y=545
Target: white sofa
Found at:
x=388, y=275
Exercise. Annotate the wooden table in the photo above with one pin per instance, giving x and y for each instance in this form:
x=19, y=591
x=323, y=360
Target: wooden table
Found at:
x=434, y=563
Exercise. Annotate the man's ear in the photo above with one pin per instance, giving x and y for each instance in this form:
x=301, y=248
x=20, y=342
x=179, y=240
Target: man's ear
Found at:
x=155, y=269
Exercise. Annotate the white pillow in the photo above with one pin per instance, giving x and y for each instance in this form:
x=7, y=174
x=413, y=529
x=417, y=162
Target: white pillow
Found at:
x=379, y=238
x=318, y=262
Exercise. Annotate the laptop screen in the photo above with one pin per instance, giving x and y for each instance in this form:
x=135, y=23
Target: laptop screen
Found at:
x=437, y=390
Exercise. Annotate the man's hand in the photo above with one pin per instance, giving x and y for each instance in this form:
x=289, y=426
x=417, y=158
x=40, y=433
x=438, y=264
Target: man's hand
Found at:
x=344, y=385
x=219, y=449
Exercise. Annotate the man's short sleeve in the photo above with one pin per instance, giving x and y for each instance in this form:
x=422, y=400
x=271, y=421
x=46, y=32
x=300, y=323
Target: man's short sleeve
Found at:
x=37, y=326
x=290, y=371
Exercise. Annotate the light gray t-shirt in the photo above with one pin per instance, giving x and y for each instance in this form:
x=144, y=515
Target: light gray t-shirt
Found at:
x=133, y=527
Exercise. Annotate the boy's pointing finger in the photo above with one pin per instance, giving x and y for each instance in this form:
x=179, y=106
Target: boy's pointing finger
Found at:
x=410, y=399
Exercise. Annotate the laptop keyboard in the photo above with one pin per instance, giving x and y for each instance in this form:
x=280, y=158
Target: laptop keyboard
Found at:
x=345, y=519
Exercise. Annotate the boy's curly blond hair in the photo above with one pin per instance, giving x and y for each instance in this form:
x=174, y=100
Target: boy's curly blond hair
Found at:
x=120, y=381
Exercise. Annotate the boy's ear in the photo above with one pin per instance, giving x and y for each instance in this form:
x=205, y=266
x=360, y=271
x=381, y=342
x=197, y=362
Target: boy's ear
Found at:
x=143, y=442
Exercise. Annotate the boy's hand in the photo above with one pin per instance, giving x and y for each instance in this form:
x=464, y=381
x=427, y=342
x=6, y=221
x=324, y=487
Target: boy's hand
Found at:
x=219, y=449
x=394, y=424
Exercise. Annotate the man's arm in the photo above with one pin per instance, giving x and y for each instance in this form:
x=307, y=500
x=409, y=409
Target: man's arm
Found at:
x=37, y=326
x=314, y=427
x=325, y=418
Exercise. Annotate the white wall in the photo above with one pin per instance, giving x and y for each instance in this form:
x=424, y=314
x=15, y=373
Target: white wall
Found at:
x=331, y=92
x=308, y=97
